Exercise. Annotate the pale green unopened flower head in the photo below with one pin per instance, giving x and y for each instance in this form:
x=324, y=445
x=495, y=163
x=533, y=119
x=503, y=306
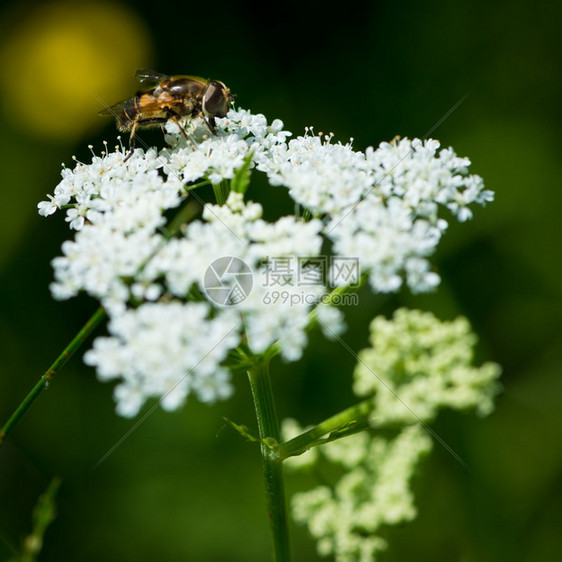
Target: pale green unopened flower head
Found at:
x=418, y=364
x=374, y=491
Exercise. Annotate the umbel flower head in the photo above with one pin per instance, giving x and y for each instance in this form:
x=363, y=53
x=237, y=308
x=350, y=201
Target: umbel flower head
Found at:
x=416, y=366
x=382, y=209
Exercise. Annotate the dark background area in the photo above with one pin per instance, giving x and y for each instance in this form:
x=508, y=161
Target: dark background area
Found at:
x=183, y=486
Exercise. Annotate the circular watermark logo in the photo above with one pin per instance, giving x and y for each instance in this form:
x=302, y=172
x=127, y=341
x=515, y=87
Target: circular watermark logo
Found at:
x=228, y=281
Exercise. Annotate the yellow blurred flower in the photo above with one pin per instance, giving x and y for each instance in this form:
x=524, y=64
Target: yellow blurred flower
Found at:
x=63, y=61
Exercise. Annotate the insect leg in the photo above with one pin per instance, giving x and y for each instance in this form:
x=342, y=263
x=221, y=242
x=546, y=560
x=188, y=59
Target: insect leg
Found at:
x=188, y=138
x=141, y=123
x=132, y=140
x=211, y=124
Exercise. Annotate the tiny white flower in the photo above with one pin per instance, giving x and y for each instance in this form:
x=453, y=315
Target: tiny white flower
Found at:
x=75, y=217
x=49, y=207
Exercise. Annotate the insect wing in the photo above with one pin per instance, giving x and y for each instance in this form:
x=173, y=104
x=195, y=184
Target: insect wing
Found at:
x=150, y=77
x=114, y=110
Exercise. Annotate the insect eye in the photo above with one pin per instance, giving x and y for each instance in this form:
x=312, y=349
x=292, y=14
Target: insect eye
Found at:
x=216, y=100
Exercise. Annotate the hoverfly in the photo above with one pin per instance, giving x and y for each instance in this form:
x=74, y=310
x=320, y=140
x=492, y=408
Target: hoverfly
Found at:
x=170, y=98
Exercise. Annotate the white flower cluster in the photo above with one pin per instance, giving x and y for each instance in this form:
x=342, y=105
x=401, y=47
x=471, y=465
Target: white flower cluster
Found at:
x=323, y=177
x=418, y=364
x=381, y=205
x=395, y=227
x=217, y=158
x=374, y=491
x=378, y=207
x=166, y=351
x=117, y=209
x=161, y=343
x=237, y=229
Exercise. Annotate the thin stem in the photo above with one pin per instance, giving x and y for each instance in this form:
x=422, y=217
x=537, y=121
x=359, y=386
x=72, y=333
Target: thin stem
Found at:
x=59, y=362
x=343, y=423
x=182, y=217
x=196, y=185
x=268, y=425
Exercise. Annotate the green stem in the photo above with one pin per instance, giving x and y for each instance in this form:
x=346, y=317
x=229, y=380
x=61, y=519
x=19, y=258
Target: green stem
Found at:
x=268, y=425
x=183, y=216
x=221, y=190
x=343, y=423
x=196, y=185
x=66, y=354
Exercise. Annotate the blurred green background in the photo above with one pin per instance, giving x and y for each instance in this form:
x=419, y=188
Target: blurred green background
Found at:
x=182, y=486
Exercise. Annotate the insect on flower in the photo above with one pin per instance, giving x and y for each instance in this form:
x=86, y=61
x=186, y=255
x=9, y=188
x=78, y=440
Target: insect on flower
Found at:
x=170, y=98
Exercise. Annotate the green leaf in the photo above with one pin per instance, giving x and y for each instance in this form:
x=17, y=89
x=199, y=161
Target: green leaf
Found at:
x=243, y=430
